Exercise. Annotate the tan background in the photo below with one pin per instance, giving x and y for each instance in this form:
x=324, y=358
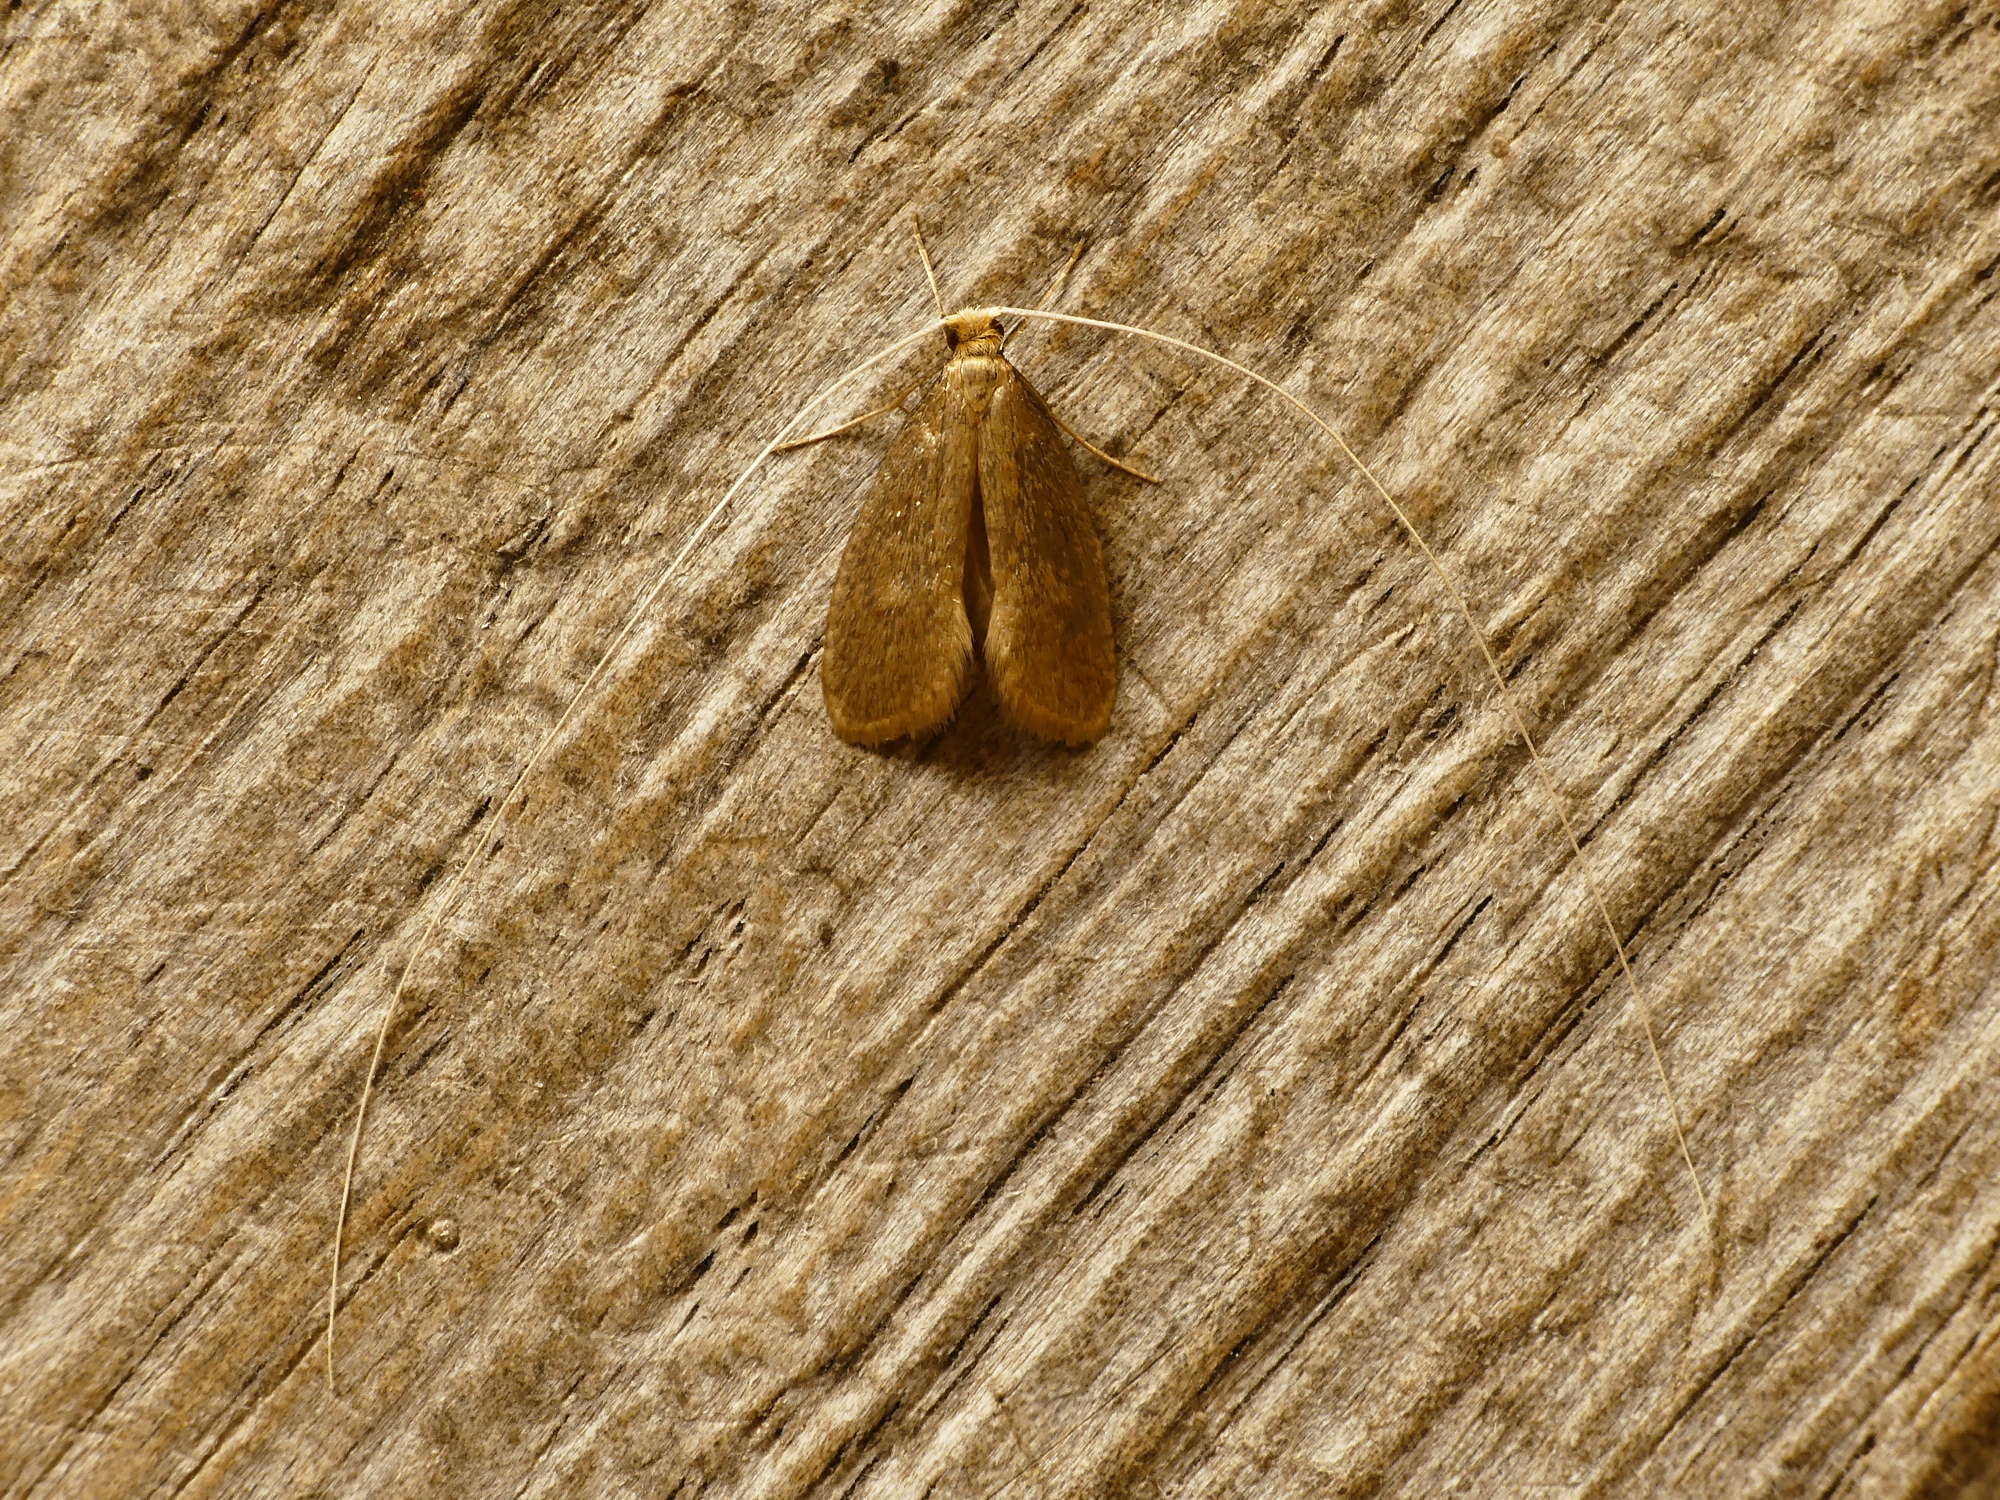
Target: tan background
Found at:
x=1247, y=1106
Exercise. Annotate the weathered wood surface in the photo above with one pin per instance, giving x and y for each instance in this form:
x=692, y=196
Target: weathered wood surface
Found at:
x=1248, y=1106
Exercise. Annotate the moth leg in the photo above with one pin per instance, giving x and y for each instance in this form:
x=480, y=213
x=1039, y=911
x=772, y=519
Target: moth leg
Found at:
x=1076, y=437
x=852, y=422
x=924, y=254
x=1062, y=275
x=1084, y=442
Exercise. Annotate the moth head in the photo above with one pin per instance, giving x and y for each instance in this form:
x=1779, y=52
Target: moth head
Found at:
x=974, y=333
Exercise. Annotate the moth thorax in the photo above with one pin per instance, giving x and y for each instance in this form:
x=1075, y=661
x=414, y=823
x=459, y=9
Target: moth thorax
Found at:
x=973, y=333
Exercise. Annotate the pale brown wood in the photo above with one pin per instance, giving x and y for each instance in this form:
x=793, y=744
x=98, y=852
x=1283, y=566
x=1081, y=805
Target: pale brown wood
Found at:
x=1246, y=1106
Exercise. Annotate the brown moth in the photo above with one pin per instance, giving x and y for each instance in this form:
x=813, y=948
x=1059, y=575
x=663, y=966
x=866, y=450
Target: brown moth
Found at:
x=975, y=541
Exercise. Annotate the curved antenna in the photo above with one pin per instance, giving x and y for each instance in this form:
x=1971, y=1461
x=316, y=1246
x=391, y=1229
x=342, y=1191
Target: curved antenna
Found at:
x=449, y=894
x=1643, y=1008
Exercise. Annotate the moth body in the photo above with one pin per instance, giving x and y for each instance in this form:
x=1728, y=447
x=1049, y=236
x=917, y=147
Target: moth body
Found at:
x=974, y=544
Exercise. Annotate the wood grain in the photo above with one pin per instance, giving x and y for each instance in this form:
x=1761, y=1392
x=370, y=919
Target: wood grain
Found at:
x=1246, y=1106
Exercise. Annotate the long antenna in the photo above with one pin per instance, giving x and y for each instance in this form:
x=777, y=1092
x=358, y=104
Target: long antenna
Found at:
x=448, y=895
x=1642, y=1007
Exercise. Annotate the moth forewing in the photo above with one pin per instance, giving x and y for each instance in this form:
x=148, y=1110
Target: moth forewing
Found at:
x=898, y=654
x=1048, y=646
x=975, y=535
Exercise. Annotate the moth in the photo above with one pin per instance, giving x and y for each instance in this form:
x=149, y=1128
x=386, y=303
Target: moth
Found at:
x=975, y=543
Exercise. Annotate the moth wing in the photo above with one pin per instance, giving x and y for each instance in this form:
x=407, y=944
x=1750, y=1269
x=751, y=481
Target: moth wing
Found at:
x=1048, y=640
x=898, y=654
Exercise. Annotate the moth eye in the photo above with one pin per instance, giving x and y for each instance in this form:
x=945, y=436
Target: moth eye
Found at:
x=950, y=337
